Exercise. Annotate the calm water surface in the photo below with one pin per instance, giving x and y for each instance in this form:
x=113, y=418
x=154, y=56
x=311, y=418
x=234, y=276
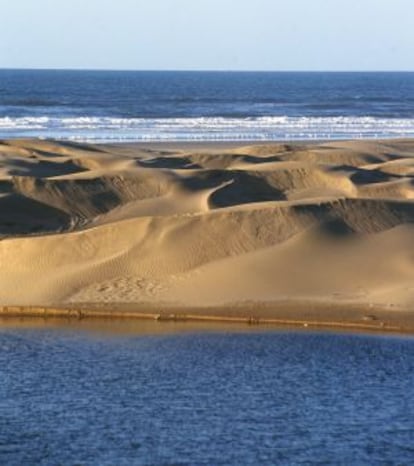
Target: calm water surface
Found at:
x=205, y=398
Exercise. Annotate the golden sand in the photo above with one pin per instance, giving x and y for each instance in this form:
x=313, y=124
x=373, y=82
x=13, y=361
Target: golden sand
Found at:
x=295, y=234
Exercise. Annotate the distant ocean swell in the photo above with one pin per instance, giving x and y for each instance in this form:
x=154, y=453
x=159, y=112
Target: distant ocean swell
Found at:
x=103, y=129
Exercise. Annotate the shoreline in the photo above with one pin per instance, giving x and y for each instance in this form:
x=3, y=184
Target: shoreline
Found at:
x=311, y=316
x=199, y=144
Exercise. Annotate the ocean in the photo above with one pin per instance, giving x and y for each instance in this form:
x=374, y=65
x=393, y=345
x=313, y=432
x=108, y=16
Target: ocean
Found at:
x=204, y=397
x=114, y=106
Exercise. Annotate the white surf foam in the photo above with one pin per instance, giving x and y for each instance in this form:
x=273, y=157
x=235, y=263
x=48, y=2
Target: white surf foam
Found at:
x=90, y=128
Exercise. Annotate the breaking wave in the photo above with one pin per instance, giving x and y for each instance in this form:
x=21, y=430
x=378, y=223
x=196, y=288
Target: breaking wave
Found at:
x=102, y=129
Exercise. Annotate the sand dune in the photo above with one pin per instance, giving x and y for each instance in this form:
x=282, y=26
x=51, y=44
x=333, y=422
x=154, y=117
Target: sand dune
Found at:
x=204, y=226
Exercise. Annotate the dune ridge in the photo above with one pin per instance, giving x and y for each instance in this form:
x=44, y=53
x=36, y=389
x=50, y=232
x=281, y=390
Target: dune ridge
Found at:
x=223, y=229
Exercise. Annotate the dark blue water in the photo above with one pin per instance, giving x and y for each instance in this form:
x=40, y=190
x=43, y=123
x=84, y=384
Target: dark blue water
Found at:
x=136, y=106
x=216, y=398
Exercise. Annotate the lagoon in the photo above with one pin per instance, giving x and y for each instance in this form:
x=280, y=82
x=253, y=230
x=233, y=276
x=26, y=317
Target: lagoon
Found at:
x=218, y=396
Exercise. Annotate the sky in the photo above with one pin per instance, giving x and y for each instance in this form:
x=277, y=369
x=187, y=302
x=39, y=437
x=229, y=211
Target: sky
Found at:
x=335, y=35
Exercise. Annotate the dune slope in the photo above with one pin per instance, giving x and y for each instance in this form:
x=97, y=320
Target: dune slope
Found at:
x=207, y=226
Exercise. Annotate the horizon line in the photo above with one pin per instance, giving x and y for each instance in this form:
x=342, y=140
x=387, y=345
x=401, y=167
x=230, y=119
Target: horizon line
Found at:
x=167, y=70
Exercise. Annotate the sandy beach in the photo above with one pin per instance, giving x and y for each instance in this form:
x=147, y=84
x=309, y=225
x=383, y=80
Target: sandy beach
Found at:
x=298, y=233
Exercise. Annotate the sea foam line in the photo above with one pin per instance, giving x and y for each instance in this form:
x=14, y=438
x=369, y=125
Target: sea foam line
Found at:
x=206, y=128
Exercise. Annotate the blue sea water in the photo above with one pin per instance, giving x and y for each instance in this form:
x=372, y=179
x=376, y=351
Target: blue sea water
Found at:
x=69, y=397
x=176, y=106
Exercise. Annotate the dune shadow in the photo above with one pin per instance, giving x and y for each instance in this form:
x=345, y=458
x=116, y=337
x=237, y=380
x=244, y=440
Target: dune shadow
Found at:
x=44, y=169
x=22, y=215
x=169, y=163
x=336, y=227
x=244, y=188
x=362, y=176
